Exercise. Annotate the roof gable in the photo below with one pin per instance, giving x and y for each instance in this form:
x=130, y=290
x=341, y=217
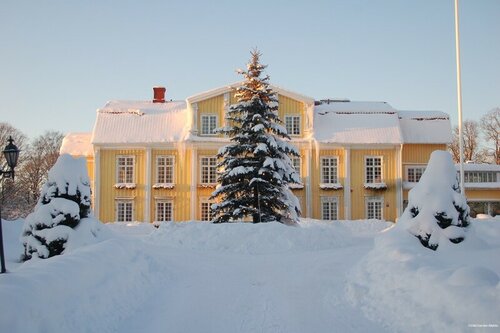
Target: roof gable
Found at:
x=226, y=89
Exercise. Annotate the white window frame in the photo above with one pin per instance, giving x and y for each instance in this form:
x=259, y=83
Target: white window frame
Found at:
x=480, y=177
x=330, y=201
x=416, y=169
x=118, y=167
x=373, y=167
x=336, y=166
x=205, y=213
x=210, y=175
x=121, y=204
x=159, y=202
x=293, y=124
x=297, y=165
x=208, y=118
x=374, y=200
x=170, y=166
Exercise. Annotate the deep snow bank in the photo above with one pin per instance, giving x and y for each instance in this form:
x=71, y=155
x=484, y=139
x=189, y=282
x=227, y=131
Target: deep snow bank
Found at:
x=266, y=238
x=90, y=288
x=98, y=287
x=414, y=289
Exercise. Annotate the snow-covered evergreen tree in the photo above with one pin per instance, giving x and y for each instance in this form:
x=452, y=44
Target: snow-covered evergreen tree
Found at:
x=64, y=201
x=437, y=211
x=255, y=168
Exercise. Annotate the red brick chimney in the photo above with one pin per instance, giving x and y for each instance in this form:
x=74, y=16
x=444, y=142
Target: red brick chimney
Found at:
x=159, y=94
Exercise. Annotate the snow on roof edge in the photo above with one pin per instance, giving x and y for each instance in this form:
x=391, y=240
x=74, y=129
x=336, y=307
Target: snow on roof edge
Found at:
x=423, y=115
x=479, y=167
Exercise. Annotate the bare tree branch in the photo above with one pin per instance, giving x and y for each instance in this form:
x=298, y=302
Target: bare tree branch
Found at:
x=490, y=124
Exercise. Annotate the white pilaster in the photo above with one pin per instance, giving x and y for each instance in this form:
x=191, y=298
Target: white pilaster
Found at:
x=194, y=129
x=308, y=183
x=399, y=181
x=226, y=108
x=309, y=115
x=147, y=182
x=347, y=184
x=194, y=179
x=97, y=181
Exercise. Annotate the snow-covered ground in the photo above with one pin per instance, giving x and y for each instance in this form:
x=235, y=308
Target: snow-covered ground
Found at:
x=350, y=276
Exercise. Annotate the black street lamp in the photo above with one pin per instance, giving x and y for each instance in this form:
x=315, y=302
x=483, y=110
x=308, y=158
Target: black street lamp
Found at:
x=11, y=153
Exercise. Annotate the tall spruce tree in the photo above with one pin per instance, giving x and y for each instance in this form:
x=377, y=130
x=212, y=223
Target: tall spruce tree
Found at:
x=255, y=168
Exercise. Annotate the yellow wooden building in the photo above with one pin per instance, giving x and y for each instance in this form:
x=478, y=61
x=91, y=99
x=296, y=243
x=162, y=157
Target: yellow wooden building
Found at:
x=155, y=160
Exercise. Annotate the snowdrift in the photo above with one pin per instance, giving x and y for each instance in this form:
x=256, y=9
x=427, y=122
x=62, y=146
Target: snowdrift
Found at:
x=350, y=276
x=410, y=288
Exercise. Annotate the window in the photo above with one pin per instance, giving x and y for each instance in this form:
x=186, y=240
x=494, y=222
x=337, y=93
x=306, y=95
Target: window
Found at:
x=374, y=206
x=491, y=208
x=373, y=167
x=125, y=169
x=480, y=177
x=164, y=211
x=329, y=208
x=414, y=173
x=206, y=211
x=208, y=170
x=329, y=170
x=292, y=124
x=124, y=210
x=165, y=169
x=296, y=164
x=208, y=124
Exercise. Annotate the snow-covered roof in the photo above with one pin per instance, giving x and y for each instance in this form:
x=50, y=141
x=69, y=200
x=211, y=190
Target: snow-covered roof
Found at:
x=354, y=107
x=425, y=126
x=77, y=144
x=141, y=122
x=479, y=167
x=356, y=123
x=334, y=121
x=343, y=121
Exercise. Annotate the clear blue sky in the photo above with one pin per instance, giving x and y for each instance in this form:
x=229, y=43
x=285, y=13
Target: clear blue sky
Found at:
x=61, y=60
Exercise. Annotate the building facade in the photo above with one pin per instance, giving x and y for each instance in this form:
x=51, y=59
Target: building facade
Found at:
x=156, y=160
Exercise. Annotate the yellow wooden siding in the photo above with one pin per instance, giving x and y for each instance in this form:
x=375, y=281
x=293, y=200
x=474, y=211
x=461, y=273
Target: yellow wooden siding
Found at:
x=232, y=97
x=359, y=193
x=301, y=193
x=286, y=106
x=202, y=193
x=109, y=194
x=90, y=167
x=181, y=193
x=474, y=194
x=482, y=194
x=214, y=105
x=90, y=171
x=405, y=194
x=419, y=153
x=315, y=177
x=290, y=107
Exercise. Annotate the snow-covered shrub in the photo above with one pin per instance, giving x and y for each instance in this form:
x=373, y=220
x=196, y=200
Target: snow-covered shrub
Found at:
x=63, y=203
x=437, y=211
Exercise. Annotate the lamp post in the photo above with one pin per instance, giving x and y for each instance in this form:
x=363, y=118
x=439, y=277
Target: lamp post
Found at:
x=11, y=153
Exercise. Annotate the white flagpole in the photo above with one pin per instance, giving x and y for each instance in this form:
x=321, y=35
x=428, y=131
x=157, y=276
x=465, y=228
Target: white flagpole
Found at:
x=459, y=97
